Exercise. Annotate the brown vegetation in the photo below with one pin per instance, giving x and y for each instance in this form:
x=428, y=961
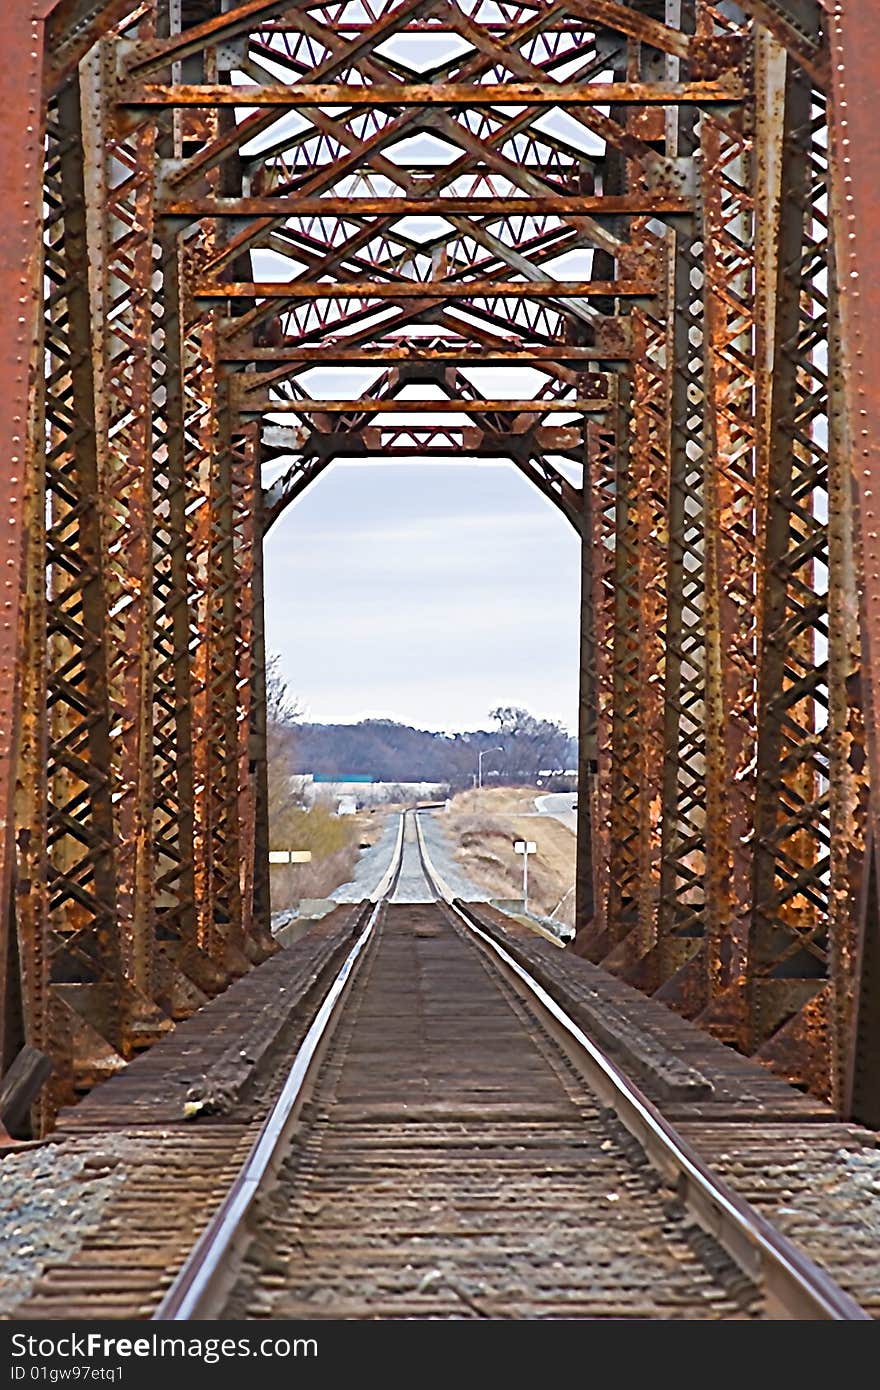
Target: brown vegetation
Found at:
x=482, y=827
x=333, y=841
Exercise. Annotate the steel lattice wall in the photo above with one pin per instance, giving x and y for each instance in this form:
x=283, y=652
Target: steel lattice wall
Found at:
x=655, y=204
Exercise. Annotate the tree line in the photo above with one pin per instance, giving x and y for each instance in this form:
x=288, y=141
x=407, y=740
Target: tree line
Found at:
x=516, y=750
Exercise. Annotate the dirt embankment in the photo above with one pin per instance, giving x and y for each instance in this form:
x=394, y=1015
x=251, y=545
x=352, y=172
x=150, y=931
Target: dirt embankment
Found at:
x=482, y=827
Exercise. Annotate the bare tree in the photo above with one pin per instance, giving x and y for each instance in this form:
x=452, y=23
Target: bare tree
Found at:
x=281, y=706
x=282, y=711
x=530, y=744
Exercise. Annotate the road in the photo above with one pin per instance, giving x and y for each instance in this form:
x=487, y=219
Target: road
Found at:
x=561, y=806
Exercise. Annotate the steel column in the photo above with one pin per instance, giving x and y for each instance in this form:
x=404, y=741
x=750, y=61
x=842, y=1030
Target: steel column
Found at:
x=854, y=30
x=21, y=162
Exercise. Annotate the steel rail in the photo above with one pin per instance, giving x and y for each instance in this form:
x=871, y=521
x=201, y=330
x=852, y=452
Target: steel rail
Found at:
x=388, y=882
x=201, y=1278
x=792, y=1281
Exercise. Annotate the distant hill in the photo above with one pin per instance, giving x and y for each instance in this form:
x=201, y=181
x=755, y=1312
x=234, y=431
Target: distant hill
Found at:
x=391, y=752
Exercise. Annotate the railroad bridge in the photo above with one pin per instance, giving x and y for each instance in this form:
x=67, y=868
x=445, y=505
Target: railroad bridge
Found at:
x=656, y=219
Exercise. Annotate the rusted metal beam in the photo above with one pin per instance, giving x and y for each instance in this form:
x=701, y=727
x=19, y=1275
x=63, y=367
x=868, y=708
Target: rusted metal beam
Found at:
x=635, y=205
x=854, y=32
x=798, y=26
x=72, y=28
x=731, y=527
x=85, y=1007
x=427, y=289
x=529, y=450
x=682, y=897
x=587, y=889
x=27, y=1002
x=215, y=747
x=330, y=355
x=259, y=14
x=119, y=184
x=258, y=402
x=610, y=14
x=302, y=95
x=21, y=163
x=636, y=25
x=159, y=52
x=598, y=505
x=788, y=964
x=473, y=438
x=185, y=974
x=649, y=456
x=244, y=466
x=257, y=743
x=621, y=908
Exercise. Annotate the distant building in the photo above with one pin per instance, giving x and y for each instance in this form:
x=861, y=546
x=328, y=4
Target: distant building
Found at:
x=356, y=777
x=366, y=792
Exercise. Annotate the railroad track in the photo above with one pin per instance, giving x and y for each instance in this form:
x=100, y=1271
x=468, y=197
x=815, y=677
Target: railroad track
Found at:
x=448, y=1143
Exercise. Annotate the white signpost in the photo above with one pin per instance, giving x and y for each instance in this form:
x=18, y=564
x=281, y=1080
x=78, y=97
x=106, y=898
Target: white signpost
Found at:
x=525, y=848
x=290, y=856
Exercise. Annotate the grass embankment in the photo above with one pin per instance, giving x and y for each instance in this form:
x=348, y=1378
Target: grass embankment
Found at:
x=482, y=826
x=334, y=842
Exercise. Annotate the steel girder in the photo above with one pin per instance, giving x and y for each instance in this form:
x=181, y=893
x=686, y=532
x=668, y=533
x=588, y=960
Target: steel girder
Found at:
x=246, y=205
x=854, y=31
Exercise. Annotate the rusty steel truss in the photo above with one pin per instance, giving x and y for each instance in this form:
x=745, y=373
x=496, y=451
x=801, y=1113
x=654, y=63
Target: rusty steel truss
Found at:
x=275, y=233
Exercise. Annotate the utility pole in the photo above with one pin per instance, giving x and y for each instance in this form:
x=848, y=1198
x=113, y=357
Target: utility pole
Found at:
x=480, y=756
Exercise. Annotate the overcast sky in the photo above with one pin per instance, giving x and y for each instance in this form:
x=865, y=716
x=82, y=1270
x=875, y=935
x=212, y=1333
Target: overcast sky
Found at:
x=426, y=593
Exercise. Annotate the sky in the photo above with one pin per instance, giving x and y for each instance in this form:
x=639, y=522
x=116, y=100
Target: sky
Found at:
x=424, y=593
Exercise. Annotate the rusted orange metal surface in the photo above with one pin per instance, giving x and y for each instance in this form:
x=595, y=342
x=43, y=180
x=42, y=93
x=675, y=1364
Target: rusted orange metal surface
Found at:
x=21, y=163
x=663, y=210
x=854, y=32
